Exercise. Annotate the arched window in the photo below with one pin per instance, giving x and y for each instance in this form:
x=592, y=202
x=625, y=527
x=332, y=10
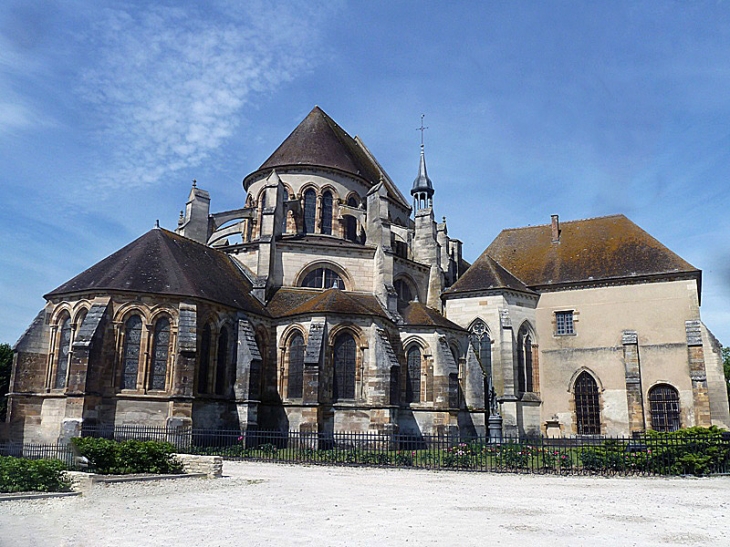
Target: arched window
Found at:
x=587, y=410
x=664, y=402
x=322, y=278
x=524, y=361
x=296, y=366
x=344, y=377
x=64, y=350
x=405, y=295
x=130, y=360
x=310, y=211
x=160, y=352
x=204, y=368
x=482, y=345
x=327, y=213
x=221, y=362
x=413, y=375
x=351, y=221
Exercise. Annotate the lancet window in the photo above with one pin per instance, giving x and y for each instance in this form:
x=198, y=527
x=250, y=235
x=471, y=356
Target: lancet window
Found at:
x=413, y=375
x=131, y=351
x=160, y=354
x=64, y=351
x=310, y=211
x=326, y=223
x=587, y=409
x=296, y=366
x=344, y=364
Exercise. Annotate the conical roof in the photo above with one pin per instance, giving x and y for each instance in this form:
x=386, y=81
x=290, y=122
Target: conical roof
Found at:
x=422, y=184
x=319, y=142
x=162, y=262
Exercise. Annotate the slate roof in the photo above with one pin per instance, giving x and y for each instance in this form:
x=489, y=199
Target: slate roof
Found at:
x=319, y=142
x=162, y=262
x=420, y=315
x=288, y=302
x=596, y=249
x=486, y=274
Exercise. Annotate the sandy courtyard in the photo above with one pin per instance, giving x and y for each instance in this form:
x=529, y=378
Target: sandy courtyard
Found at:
x=268, y=504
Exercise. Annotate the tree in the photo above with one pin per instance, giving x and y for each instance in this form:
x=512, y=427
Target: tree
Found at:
x=726, y=368
x=6, y=364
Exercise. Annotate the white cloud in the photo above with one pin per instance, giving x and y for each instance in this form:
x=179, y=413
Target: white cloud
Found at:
x=169, y=86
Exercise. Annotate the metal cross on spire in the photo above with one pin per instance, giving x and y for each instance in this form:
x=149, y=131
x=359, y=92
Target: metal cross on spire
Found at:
x=422, y=128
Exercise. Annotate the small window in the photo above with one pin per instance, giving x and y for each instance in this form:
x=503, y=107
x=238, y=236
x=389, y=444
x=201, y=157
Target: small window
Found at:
x=564, y=323
x=664, y=401
x=323, y=278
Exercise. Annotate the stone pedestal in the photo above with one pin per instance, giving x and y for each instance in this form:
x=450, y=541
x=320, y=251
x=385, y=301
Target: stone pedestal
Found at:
x=495, y=428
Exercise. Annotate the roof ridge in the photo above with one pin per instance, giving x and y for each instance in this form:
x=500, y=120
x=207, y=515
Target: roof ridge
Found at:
x=566, y=222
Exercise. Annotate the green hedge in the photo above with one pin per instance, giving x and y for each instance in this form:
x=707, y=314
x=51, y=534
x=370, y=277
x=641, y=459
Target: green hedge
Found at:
x=121, y=458
x=23, y=475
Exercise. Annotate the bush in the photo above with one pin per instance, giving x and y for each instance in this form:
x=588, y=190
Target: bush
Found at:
x=23, y=475
x=121, y=458
x=691, y=451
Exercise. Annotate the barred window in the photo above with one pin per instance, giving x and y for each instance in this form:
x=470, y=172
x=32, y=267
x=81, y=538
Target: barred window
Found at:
x=64, y=350
x=160, y=352
x=204, y=368
x=296, y=366
x=344, y=376
x=221, y=362
x=564, y=323
x=322, y=278
x=132, y=342
x=310, y=211
x=587, y=410
x=413, y=375
x=664, y=403
x=327, y=213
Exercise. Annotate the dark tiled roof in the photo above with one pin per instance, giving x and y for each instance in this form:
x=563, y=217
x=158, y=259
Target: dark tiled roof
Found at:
x=420, y=315
x=288, y=302
x=485, y=274
x=162, y=262
x=589, y=250
x=318, y=141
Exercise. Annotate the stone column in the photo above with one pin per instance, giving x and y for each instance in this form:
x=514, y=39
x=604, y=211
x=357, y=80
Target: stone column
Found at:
x=698, y=374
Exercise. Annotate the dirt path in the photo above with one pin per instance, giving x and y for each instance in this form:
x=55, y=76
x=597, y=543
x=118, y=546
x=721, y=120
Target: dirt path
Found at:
x=268, y=504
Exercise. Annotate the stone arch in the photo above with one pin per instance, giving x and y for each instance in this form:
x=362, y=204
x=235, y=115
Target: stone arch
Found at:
x=406, y=286
x=326, y=264
x=587, y=403
x=345, y=345
x=293, y=349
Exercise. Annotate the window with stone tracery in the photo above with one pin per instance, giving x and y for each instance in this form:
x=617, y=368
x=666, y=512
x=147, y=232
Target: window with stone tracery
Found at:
x=413, y=375
x=524, y=361
x=160, y=354
x=345, y=356
x=310, y=211
x=131, y=351
x=296, y=366
x=326, y=223
x=322, y=278
x=63, y=354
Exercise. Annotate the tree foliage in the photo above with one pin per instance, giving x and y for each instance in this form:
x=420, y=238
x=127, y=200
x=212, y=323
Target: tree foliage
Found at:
x=6, y=364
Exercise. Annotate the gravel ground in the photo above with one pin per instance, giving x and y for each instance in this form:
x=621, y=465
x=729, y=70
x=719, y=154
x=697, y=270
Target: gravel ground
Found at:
x=270, y=504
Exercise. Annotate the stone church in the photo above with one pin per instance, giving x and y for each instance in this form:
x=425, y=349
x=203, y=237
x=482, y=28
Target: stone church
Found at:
x=330, y=302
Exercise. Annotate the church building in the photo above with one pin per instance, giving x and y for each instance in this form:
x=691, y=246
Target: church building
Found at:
x=330, y=302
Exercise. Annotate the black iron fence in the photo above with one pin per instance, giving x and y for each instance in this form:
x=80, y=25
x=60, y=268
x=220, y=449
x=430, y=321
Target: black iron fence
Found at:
x=696, y=452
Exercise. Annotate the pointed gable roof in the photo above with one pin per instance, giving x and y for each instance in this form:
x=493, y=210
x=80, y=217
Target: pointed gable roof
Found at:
x=162, y=262
x=603, y=248
x=420, y=315
x=318, y=141
x=487, y=274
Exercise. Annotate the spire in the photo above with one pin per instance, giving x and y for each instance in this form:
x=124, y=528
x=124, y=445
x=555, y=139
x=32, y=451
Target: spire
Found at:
x=422, y=190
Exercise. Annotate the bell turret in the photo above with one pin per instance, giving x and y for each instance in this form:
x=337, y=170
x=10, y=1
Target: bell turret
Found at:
x=422, y=190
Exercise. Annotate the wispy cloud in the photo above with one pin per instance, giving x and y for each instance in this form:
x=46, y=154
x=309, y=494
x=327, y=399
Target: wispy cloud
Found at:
x=169, y=85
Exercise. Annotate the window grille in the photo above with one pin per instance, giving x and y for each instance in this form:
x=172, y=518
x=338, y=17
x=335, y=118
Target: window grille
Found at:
x=322, y=278
x=296, y=366
x=132, y=341
x=204, y=360
x=327, y=213
x=664, y=403
x=221, y=362
x=413, y=372
x=587, y=410
x=564, y=323
x=64, y=348
x=344, y=376
x=160, y=351
x=310, y=211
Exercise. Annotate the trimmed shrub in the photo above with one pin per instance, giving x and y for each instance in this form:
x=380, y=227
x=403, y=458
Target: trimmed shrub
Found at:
x=23, y=475
x=122, y=458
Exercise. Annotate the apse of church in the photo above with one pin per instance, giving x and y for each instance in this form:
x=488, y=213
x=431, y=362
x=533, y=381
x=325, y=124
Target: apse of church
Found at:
x=330, y=302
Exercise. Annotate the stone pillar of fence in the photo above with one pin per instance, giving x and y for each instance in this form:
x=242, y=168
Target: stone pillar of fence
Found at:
x=179, y=433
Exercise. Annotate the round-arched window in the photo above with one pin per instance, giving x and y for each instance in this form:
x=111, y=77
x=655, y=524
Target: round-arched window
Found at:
x=323, y=278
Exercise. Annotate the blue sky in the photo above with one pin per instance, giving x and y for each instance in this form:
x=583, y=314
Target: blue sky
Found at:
x=109, y=109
